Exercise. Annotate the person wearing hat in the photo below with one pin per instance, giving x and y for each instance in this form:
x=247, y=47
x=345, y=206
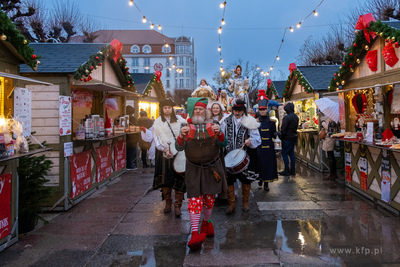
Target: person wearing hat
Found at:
x=224, y=99
x=266, y=151
x=166, y=128
x=240, y=129
x=205, y=172
x=239, y=86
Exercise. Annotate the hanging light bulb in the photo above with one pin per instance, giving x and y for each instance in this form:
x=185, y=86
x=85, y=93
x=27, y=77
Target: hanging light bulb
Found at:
x=291, y=29
x=366, y=47
x=267, y=73
x=223, y=22
x=219, y=30
x=170, y=68
x=159, y=27
x=144, y=20
x=262, y=73
x=219, y=48
x=170, y=57
x=221, y=68
x=277, y=58
x=298, y=25
x=271, y=68
x=222, y=5
x=258, y=68
x=221, y=60
x=131, y=2
x=166, y=45
x=173, y=65
x=152, y=26
x=315, y=13
x=222, y=73
x=147, y=67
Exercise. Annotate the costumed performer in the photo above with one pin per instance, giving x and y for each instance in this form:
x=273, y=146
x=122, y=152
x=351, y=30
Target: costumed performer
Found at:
x=217, y=110
x=166, y=129
x=205, y=174
x=204, y=91
x=225, y=100
x=239, y=86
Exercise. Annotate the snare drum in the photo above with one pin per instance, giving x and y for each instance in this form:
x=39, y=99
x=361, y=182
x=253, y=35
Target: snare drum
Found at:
x=236, y=163
x=180, y=162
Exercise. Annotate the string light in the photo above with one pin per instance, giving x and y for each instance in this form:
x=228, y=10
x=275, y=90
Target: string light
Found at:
x=271, y=68
x=223, y=22
x=166, y=45
x=258, y=68
x=144, y=20
x=152, y=26
x=221, y=68
x=222, y=5
x=131, y=2
x=315, y=13
x=221, y=60
x=173, y=66
x=298, y=25
x=219, y=48
x=170, y=57
x=277, y=57
x=159, y=27
x=267, y=73
x=291, y=29
x=220, y=30
x=222, y=73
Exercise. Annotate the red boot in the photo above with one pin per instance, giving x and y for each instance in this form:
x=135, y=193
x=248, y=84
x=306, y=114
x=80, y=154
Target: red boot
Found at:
x=207, y=228
x=196, y=240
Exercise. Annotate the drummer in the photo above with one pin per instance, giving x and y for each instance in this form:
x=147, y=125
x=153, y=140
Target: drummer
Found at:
x=240, y=130
x=205, y=173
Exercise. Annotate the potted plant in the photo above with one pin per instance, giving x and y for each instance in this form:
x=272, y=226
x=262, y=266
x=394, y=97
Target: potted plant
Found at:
x=32, y=191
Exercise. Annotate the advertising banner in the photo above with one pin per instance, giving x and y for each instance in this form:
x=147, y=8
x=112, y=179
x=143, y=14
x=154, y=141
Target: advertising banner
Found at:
x=5, y=204
x=119, y=155
x=65, y=115
x=81, y=172
x=103, y=162
x=348, y=166
x=385, y=169
x=82, y=99
x=363, y=166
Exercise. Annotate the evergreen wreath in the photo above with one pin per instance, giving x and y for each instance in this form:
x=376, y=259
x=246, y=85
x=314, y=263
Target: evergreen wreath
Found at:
x=150, y=85
x=301, y=80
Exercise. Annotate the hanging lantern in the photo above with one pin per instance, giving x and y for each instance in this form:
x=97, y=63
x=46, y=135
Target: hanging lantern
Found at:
x=277, y=143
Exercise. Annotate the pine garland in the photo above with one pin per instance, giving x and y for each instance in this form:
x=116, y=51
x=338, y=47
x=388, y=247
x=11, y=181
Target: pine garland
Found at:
x=352, y=58
x=296, y=74
x=150, y=85
x=16, y=39
x=83, y=72
x=273, y=89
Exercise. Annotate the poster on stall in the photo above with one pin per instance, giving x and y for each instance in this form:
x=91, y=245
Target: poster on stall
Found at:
x=363, y=166
x=23, y=108
x=395, y=105
x=81, y=172
x=103, y=162
x=82, y=99
x=385, y=169
x=111, y=103
x=342, y=112
x=119, y=155
x=348, y=166
x=5, y=204
x=65, y=115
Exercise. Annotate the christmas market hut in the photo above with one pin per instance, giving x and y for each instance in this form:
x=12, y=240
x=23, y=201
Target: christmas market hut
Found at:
x=302, y=88
x=368, y=86
x=151, y=89
x=15, y=116
x=82, y=116
x=275, y=89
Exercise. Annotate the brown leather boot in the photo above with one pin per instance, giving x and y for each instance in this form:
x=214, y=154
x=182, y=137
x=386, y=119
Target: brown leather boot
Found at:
x=166, y=191
x=231, y=199
x=178, y=202
x=245, y=196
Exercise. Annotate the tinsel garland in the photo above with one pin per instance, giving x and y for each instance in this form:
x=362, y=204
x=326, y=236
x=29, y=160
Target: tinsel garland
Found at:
x=273, y=89
x=16, y=39
x=352, y=58
x=296, y=74
x=83, y=72
x=150, y=85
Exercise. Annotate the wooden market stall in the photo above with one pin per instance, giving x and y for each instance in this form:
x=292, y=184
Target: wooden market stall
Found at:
x=14, y=50
x=91, y=84
x=368, y=85
x=303, y=87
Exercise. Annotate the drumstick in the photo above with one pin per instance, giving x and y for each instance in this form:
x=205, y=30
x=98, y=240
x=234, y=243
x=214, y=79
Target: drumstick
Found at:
x=169, y=147
x=239, y=151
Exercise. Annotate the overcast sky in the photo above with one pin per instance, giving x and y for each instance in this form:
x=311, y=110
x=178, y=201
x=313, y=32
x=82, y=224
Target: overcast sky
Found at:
x=253, y=29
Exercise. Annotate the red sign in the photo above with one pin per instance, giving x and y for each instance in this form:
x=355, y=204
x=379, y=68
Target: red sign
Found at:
x=342, y=112
x=119, y=155
x=81, y=172
x=82, y=99
x=103, y=162
x=158, y=66
x=5, y=204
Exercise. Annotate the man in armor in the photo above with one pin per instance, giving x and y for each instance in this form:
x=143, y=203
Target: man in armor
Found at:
x=239, y=86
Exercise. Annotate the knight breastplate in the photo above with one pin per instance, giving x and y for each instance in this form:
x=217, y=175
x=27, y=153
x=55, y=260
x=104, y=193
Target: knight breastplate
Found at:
x=203, y=93
x=202, y=150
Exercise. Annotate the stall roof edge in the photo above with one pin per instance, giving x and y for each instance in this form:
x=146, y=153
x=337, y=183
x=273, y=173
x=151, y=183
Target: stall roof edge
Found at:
x=141, y=81
x=393, y=23
x=318, y=76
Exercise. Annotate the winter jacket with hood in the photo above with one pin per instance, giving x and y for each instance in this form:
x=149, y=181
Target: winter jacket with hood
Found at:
x=289, y=124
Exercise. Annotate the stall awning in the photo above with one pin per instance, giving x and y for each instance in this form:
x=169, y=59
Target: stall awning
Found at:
x=103, y=87
x=22, y=78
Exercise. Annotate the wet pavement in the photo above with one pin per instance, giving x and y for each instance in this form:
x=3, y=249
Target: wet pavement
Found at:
x=301, y=221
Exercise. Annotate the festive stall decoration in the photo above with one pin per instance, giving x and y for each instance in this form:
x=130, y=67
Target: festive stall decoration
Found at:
x=109, y=51
x=363, y=24
x=300, y=80
x=272, y=88
x=11, y=35
x=261, y=95
x=389, y=55
x=292, y=67
x=359, y=102
x=117, y=49
x=151, y=84
x=372, y=60
x=158, y=75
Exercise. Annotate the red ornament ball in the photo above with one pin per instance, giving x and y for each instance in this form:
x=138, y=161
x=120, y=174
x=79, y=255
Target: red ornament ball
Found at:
x=127, y=72
x=344, y=64
x=334, y=79
x=86, y=80
x=81, y=79
x=100, y=64
x=129, y=82
x=91, y=67
x=97, y=58
x=335, y=74
x=351, y=54
x=355, y=45
x=33, y=56
x=396, y=44
x=350, y=66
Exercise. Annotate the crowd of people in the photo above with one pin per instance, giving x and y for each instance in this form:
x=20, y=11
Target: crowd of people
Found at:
x=218, y=148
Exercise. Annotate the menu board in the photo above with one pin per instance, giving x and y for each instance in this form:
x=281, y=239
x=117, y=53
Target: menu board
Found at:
x=22, y=108
x=65, y=115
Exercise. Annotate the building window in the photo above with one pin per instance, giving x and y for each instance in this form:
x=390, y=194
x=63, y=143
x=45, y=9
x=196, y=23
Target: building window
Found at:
x=180, y=61
x=187, y=83
x=181, y=83
x=187, y=61
x=166, y=49
x=135, y=62
x=135, y=49
x=168, y=85
x=179, y=49
x=168, y=73
x=146, y=49
x=146, y=62
x=187, y=72
x=181, y=74
x=134, y=71
x=146, y=70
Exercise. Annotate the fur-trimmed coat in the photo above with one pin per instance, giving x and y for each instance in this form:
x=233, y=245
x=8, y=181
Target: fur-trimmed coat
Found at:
x=163, y=134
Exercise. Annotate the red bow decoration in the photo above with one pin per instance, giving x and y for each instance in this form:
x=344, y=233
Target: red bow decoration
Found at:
x=372, y=60
x=389, y=55
x=292, y=67
x=158, y=75
x=117, y=47
x=359, y=102
x=269, y=82
x=363, y=24
x=261, y=95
